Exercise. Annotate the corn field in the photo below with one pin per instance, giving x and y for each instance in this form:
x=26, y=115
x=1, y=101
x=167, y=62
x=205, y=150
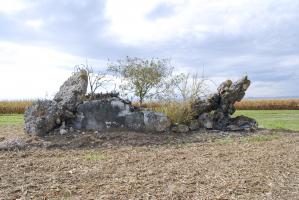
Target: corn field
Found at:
x=14, y=107
x=173, y=109
x=277, y=104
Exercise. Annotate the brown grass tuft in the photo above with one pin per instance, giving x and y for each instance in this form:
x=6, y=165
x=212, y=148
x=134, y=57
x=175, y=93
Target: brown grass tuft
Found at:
x=178, y=112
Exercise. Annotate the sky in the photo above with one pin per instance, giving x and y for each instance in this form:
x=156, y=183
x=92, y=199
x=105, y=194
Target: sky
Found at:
x=41, y=41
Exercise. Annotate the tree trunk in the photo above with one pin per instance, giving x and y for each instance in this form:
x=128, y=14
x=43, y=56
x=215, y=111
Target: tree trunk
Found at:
x=140, y=101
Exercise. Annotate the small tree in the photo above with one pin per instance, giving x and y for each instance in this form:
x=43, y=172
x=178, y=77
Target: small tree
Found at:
x=95, y=79
x=190, y=86
x=145, y=78
x=185, y=89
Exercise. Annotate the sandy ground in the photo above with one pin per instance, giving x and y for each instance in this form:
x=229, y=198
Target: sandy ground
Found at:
x=129, y=165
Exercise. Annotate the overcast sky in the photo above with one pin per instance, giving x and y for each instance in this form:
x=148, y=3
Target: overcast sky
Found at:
x=42, y=40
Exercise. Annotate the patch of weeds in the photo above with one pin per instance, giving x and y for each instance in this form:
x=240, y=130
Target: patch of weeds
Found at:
x=224, y=141
x=260, y=138
x=94, y=156
x=66, y=194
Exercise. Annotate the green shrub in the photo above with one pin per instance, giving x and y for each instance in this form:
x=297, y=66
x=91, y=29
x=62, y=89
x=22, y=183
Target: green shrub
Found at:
x=94, y=156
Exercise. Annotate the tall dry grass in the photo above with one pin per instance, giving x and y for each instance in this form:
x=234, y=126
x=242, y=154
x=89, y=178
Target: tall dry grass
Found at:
x=14, y=107
x=178, y=112
x=271, y=104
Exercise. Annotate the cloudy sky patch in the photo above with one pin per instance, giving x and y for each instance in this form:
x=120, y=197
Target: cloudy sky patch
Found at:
x=42, y=41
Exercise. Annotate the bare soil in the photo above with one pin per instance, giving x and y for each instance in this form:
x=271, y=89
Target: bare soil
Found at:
x=131, y=165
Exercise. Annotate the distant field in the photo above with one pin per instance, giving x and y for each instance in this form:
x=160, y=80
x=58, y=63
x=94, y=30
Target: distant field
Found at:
x=11, y=119
x=14, y=107
x=274, y=119
x=270, y=104
x=18, y=107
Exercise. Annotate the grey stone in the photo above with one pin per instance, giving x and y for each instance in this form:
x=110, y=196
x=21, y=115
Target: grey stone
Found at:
x=180, y=128
x=194, y=125
x=71, y=93
x=156, y=122
x=12, y=144
x=215, y=111
x=63, y=131
x=67, y=112
x=207, y=105
x=115, y=113
x=135, y=121
x=242, y=123
x=206, y=120
x=44, y=116
x=41, y=117
x=101, y=114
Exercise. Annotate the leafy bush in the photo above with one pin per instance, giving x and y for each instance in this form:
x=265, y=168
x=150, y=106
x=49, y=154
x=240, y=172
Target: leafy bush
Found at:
x=145, y=78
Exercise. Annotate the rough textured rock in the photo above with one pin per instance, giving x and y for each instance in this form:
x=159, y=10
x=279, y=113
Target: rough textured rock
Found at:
x=12, y=144
x=135, y=121
x=67, y=111
x=241, y=123
x=115, y=113
x=41, y=117
x=194, y=125
x=215, y=111
x=101, y=114
x=71, y=92
x=180, y=128
x=156, y=122
x=44, y=116
x=206, y=120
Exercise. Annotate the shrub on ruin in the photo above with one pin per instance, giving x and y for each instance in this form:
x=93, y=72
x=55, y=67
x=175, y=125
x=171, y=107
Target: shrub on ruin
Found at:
x=145, y=78
x=177, y=102
x=96, y=79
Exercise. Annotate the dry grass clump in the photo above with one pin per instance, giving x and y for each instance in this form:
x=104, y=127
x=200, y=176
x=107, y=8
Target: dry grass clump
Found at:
x=271, y=104
x=178, y=112
x=14, y=107
x=177, y=104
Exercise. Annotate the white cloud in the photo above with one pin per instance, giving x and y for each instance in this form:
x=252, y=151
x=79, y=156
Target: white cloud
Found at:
x=271, y=89
x=229, y=37
x=10, y=6
x=290, y=60
x=33, y=72
x=129, y=22
x=34, y=23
